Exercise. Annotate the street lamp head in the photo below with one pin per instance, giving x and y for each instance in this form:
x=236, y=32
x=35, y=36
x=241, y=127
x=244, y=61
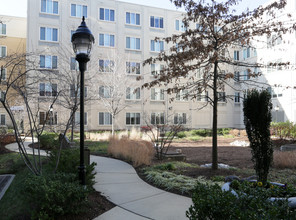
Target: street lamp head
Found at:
x=82, y=39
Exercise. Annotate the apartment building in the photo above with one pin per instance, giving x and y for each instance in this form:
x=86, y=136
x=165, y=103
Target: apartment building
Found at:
x=124, y=37
x=12, y=41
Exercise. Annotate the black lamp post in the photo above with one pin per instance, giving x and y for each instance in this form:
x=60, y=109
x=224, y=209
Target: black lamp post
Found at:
x=82, y=40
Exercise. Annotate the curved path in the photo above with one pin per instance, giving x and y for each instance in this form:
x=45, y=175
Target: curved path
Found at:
x=134, y=198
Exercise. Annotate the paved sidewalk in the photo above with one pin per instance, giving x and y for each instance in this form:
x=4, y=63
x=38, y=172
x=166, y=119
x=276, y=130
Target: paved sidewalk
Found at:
x=135, y=199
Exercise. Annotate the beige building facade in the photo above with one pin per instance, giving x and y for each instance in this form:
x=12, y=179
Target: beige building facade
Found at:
x=13, y=33
x=124, y=37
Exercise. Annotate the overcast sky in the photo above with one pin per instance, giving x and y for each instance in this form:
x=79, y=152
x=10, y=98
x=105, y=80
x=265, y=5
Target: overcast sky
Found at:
x=19, y=7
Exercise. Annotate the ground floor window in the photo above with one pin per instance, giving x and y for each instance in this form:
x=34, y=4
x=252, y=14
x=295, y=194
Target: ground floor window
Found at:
x=3, y=120
x=132, y=118
x=157, y=118
x=48, y=118
x=105, y=118
x=180, y=118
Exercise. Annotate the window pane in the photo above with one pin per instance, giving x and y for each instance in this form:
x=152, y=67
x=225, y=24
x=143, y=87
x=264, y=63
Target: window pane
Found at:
x=42, y=61
x=48, y=33
x=42, y=33
x=137, y=118
x=101, y=13
x=84, y=11
x=54, y=62
x=101, y=39
x=101, y=118
x=41, y=89
x=177, y=25
x=128, y=42
x=43, y=5
x=112, y=15
x=112, y=42
x=138, y=43
x=127, y=18
x=106, y=39
x=151, y=21
x=55, y=34
x=161, y=22
x=133, y=18
x=138, y=19
x=79, y=11
x=152, y=48
x=54, y=89
x=49, y=6
x=156, y=22
x=55, y=7
x=107, y=11
x=48, y=62
x=73, y=10
x=127, y=118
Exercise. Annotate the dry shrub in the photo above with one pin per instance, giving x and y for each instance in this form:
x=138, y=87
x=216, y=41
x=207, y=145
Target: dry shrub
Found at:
x=234, y=132
x=285, y=159
x=139, y=152
x=243, y=133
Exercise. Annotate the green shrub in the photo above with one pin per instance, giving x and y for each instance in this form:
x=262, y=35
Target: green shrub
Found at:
x=55, y=195
x=69, y=162
x=211, y=202
x=257, y=119
x=202, y=132
x=223, y=131
x=181, y=134
x=49, y=140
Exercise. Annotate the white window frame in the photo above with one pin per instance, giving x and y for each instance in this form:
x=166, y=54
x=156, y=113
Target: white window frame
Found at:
x=180, y=118
x=180, y=96
x=3, y=72
x=108, y=66
x=133, y=93
x=52, y=118
x=130, y=14
x=133, y=68
x=105, y=92
x=237, y=97
x=77, y=118
x=133, y=117
x=49, y=10
x=179, y=25
x=78, y=13
x=3, y=29
x=107, y=118
x=106, y=40
x=155, y=18
x=132, y=43
x=156, y=68
x=158, y=116
x=48, y=59
x=110, y=9
x=157, y=94
x=2, y=46
x=2, y=116
x=46, y=29
x=156, y=46
x=48, y=87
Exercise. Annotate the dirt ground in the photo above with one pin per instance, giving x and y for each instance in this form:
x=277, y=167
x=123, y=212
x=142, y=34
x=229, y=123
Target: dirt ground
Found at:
x=200, y=152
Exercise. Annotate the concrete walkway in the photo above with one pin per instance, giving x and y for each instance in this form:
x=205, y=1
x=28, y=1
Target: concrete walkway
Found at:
x=134, y=198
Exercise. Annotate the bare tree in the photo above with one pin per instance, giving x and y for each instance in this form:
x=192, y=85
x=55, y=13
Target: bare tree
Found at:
x=209, y=48
x=116, y=86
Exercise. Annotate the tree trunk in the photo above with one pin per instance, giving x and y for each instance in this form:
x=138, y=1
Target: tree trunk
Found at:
x=215, y=120
x=72, y=129
x=113, y=121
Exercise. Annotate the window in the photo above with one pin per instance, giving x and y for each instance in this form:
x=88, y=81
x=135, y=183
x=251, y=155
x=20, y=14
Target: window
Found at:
x=246, y=53
x=237, y=97
x=2, y=95
x=105, y=91
x=74, y=91
x=133, y=68
x=221, y=97
x=74, y=65
x=49, y=34
x=157, y=94
x=48, y=89
x=156, y=68
x=180, y=26
x=77, y=118
x=106, y=40
x=133, y=43
x=179, y=118
x=106, y=66
x=202, y=96
x=3, y=120
x=236, y=55
x=3, y=74
x=2, y=29
x=156, y=46
x=157, y=118
x=105, y=118
x=132, y=118
x=49, y=6
x=236, y=76
x=132, y=18
x=156, y=22
x=78, y=10
x=246, y=75
x=182, y=95
x=133, y=94
x=276, y=92
x=107, y=14
x=3, y=51
x=48, y=62
x=48, y=118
